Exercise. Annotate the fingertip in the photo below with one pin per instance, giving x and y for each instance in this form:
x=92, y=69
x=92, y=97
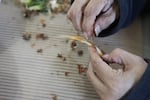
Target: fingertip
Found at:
x=85, y=35
x=88, y=35
x=117, y=60
x=105, y=56
x=112, y=59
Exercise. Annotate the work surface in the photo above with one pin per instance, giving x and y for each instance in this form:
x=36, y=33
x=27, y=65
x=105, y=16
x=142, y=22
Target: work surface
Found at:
x=28, y=75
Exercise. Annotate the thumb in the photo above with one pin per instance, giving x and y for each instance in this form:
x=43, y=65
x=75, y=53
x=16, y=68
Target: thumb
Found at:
x=122, y=57
x=112, y=59
x=105, y=20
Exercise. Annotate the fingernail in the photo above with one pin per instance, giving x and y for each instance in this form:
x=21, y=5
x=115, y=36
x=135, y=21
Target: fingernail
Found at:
x=97, y=30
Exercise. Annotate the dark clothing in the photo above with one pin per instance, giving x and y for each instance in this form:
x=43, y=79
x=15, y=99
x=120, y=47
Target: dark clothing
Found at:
x=129, y=10
x=142, y=89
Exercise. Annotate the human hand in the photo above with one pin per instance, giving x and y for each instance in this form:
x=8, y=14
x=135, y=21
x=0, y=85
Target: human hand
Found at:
x=92, y=16
x=112, y=84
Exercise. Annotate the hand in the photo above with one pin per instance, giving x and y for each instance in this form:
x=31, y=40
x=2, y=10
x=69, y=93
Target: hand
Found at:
x=111, y=84
x=92, y=16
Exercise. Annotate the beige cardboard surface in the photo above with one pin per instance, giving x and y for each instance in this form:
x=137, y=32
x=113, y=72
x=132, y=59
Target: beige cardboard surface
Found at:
x=28, y=75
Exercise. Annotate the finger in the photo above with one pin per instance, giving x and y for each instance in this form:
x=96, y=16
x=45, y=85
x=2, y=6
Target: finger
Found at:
x=75, y=13
x=111, y=59
x=109, y=4
x=97, y=83
x=85, y=35
x=92, y=10
x=105, y=20
x=121, y=57
x=100, y=67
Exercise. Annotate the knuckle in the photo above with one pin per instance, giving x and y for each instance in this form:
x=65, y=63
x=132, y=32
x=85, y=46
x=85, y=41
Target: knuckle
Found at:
x=74, y=16
x=94, y=62
x=70, y=14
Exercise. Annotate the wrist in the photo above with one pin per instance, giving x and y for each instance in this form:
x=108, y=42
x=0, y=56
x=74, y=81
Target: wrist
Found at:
x=142, y=66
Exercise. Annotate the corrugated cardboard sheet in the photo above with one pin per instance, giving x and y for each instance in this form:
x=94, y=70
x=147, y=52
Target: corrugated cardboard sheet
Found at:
x=28, y=75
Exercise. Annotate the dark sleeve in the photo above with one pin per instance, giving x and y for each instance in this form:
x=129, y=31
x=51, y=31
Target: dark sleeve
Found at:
x=146, y=9
x=128, y=11
x=142, y=90
x=72, y=1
